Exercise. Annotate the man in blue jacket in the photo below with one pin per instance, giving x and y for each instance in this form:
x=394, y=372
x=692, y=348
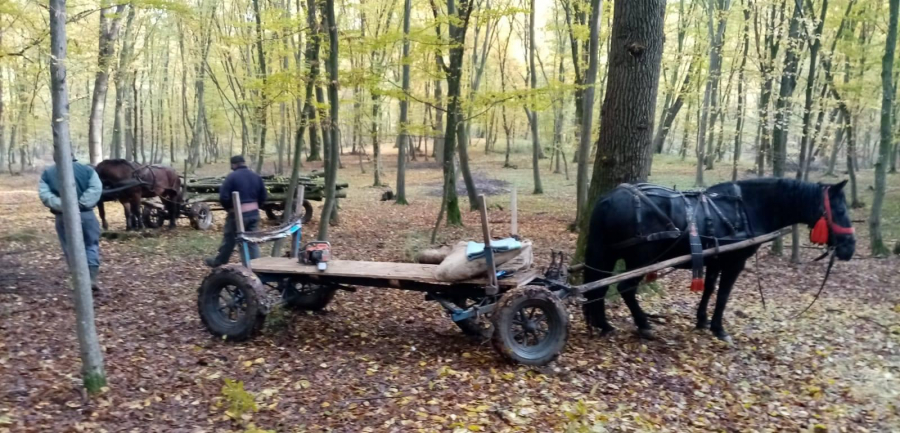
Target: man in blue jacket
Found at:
x=89, y=188
x=253, y=195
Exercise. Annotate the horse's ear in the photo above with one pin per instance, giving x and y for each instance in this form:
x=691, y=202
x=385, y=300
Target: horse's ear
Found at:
x=839, y=186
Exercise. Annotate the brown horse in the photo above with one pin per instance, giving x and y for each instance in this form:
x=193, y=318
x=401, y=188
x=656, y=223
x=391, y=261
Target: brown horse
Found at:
x=128, y=182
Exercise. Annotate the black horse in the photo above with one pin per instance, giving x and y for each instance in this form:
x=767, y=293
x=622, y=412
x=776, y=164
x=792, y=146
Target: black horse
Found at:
x=645, y=224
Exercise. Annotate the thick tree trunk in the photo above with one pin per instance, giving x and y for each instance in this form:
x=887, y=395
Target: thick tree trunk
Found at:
x=884, y=148
x=92, y=371
x=624, y=149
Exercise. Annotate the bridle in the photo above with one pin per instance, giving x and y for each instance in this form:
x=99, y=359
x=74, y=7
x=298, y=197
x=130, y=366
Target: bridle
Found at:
x=826, y=226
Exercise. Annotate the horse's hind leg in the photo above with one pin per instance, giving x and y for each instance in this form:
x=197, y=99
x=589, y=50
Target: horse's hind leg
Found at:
x=628, y=291
x=102, y=211
x=595, y=311
x=128, y=221
x=709, y=286
x=730, y=274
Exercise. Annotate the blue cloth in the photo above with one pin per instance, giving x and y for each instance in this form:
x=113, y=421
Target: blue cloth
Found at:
x=247, y=183
x=475, y=250
x=90, y=232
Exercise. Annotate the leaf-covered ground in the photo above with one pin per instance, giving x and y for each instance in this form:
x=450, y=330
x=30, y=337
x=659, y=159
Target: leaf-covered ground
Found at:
x=387, y=360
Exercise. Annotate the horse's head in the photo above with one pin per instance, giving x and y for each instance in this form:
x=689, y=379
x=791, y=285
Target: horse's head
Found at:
x=836, y=219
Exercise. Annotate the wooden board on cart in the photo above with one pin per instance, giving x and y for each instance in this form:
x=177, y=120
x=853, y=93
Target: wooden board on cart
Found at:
x=384, y=271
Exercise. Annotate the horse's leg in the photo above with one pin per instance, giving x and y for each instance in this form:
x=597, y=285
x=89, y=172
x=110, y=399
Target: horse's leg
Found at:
x=595, y=308
x=709, y=286
x=730, y=272
x=102, y=214
x=628, y=290
x=136, y=212
x=126, y=205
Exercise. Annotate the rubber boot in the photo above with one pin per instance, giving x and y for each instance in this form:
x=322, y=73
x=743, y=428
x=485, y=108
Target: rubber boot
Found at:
x=94, y=272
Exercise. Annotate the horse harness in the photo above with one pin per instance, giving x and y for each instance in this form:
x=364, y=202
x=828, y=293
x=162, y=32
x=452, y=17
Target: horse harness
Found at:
x=700, y=216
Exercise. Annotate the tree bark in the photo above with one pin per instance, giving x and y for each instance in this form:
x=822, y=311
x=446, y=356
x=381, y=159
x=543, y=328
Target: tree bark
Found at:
x=884, y=148
x=122, y=78
x=109, y=32
x=742, y=94
x=329, y=210
x=92, y=371
x=262, y=109
x=404, y=109
x=624, y=148
x=716, y=8
x=587, y=113
x=533, y=117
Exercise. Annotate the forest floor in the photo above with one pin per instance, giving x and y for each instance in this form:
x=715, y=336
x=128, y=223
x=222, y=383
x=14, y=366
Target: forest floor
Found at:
x=386, y=360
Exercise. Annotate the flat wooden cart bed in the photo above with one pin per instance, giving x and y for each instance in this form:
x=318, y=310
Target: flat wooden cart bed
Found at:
x=523, y=315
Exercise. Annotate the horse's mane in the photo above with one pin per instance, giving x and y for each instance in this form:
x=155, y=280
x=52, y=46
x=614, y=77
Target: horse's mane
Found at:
x=119, y=161
x=792, y=191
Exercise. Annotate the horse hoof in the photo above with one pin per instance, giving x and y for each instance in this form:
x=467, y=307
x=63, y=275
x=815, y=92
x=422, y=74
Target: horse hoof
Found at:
x=646, y=334
x=725, y=338
x=607, y=331
x=701, y=326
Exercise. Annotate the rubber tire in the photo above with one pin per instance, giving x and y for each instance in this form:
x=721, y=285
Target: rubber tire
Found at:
x=201, y=223
x=272, y=216
x=208, y=301
x=147, y=214
x=557, y=320
x=315, y=301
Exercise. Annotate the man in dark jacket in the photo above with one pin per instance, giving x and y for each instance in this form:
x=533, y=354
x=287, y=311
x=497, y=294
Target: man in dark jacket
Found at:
x=253, y=195
x=89, y=189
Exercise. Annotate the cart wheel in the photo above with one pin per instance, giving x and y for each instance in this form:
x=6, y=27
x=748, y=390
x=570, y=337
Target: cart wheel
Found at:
x=153, y=216
x=306, y=297
x=307, y=211
x=472, y=327
x=274, y=212
x=531, y=326
x=229, y=304
x=201, y=216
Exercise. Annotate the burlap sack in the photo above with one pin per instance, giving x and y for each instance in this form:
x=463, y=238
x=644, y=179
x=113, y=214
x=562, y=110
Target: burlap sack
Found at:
x=456, y=267
x=522, y=261
x=433, y=256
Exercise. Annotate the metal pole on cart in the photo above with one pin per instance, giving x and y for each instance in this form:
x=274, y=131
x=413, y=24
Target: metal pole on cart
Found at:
x=492, y=288
x=239, y=228
x=298, y=206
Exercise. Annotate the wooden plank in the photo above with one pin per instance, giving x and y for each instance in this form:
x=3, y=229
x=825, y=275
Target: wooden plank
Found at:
x=415, y=272
x=680, y=260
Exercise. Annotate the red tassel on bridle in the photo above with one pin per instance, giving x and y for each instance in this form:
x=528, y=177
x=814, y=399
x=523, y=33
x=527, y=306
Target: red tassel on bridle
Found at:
x=697, y=285
x=819, y=233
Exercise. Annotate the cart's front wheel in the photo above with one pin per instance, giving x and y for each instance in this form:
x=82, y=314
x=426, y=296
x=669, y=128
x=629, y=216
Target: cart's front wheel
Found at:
x=153, y=216
x=229, y=304
x=201, y=216
x=531, y=326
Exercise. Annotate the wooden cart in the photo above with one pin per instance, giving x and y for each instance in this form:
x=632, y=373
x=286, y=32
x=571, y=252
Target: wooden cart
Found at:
x=523, y=315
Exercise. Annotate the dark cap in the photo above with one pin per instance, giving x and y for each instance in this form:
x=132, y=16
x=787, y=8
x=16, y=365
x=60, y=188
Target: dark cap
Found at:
x=237, y=159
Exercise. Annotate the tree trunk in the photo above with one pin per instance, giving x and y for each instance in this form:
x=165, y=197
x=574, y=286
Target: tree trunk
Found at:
x=783, y=105
x=122, y=78
x=92, y=371
x=806, y=139
x=108, y=34
x=533, y=117
x=741, y=109
x=262, y=109
x=329, y=210
x=405, y=143
x=624, y=149
x=587, y=114
x=717, y=10
x=884, y=148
